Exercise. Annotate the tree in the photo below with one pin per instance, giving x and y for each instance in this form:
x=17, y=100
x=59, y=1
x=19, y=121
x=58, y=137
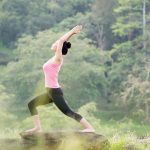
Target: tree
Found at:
x=5, y=104
x=131, y=22
x=128, y=71
x=99, y=23
x=19, y=17
x=11, y=24
x=136, y=93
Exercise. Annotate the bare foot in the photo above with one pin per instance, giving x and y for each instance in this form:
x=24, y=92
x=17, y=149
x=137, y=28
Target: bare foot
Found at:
x=33, y=130
x=88, y=130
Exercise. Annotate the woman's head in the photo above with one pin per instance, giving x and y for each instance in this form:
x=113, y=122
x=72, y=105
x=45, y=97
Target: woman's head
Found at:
x=65, y=47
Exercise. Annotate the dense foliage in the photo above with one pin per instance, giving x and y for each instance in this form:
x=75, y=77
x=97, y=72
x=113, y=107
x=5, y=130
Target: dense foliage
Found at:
x=108, y=63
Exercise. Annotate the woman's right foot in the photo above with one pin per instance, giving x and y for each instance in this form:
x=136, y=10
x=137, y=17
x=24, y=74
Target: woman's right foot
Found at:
x=88, y=130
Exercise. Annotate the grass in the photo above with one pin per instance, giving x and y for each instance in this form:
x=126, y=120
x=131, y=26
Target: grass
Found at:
x=128, y=141
x=116, y=120
x=122, y=132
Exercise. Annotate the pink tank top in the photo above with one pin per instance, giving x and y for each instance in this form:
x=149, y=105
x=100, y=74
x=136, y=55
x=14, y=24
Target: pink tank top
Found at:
x=51, y=71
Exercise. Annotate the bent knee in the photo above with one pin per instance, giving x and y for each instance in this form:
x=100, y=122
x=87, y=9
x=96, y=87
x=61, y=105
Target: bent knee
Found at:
x=31, y=104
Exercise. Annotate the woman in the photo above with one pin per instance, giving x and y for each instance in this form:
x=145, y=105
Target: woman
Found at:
x=53, y=90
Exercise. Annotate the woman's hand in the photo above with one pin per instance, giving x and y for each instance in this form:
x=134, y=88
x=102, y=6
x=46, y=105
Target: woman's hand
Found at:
x=69, y=34
x=77, y=29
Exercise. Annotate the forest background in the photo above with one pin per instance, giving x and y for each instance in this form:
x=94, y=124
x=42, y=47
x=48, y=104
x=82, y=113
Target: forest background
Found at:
x=105, y=77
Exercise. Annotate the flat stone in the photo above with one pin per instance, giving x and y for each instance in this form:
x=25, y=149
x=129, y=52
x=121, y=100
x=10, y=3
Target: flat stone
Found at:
x=82, y=140
x=56, y=141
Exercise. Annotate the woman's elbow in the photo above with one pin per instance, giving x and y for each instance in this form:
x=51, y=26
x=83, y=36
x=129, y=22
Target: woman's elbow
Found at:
x=61, y=40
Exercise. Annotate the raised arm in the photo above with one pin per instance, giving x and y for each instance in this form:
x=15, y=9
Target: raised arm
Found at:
x=61, y=40
x=69, y=34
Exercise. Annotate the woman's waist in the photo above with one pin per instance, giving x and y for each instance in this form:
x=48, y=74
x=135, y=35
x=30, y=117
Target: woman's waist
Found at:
x=56, y=90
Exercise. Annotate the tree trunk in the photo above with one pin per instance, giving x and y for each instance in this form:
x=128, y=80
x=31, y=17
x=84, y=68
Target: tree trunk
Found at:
x=144, y=24
x=99, y=36
x=147, y=110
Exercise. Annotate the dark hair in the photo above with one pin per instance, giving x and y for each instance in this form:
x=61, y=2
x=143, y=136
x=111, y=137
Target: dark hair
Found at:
x=65, y=47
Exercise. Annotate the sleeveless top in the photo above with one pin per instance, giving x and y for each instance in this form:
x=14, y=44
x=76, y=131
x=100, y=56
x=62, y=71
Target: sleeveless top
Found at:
x=51, y=71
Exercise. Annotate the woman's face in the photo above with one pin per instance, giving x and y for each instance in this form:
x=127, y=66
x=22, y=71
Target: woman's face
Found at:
x=54, y=46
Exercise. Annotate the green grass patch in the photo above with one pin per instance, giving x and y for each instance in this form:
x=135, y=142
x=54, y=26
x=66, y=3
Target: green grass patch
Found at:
x=116, y=121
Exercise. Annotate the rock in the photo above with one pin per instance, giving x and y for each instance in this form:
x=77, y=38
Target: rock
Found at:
x=11, y=144
x=56, y=141
x=66, y=141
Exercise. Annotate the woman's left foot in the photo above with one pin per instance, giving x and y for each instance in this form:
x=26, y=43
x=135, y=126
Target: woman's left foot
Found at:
x=32, y=131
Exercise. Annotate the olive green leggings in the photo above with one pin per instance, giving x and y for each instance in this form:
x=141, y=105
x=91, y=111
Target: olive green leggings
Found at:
x=52, y=95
